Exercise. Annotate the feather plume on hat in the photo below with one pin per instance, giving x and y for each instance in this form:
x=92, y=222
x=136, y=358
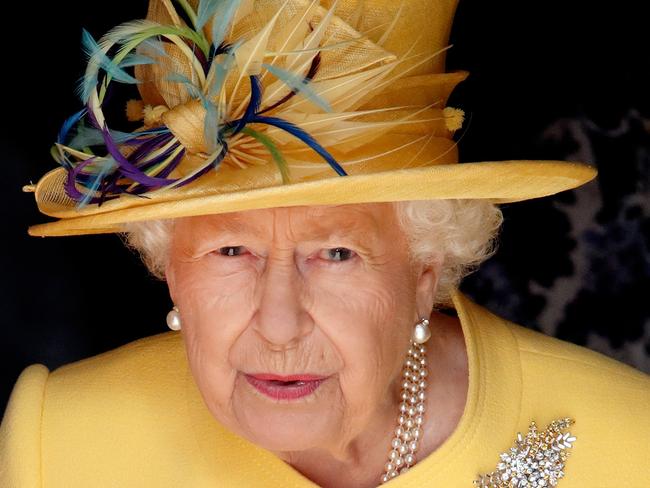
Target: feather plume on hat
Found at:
x=272, y=96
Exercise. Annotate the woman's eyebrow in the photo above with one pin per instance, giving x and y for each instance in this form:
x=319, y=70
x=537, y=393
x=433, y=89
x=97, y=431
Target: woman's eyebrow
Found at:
x=359, y=235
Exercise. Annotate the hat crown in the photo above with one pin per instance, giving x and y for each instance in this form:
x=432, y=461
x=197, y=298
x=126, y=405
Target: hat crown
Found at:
x=260, y=103
x=226, y=85
x=421, y=24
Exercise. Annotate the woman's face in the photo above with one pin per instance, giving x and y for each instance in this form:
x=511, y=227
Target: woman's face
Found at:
x=296, y=320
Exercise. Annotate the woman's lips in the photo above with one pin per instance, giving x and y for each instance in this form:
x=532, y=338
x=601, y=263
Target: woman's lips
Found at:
x=285, y=387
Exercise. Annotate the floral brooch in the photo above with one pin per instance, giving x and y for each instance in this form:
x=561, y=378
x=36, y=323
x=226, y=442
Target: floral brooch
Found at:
x=534, y=461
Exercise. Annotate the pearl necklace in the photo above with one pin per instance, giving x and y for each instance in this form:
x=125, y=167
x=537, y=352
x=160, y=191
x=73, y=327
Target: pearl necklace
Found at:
x=408, y=432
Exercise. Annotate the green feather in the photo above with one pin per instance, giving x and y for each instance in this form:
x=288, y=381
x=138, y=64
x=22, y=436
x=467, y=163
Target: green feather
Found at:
x=273, y=150
x=189, y=11
x=131, y=34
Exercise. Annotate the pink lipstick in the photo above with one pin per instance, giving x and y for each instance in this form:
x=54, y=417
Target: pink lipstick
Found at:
x=289, y=387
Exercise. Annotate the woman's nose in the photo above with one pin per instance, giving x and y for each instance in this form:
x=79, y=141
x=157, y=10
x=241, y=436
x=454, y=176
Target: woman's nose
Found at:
x=281, y=319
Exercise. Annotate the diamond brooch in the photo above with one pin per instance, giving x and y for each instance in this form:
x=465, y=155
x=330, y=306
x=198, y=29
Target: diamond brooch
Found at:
x=535, y=461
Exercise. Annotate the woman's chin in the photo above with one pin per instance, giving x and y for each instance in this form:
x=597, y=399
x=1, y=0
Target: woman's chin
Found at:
x=299, y=437
x=286, y=421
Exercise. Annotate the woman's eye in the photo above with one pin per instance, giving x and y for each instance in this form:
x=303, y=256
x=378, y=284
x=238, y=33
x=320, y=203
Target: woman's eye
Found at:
x=339, y=254
x=230, y=250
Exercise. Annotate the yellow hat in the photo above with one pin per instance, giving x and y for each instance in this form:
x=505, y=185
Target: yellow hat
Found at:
x=247, y=104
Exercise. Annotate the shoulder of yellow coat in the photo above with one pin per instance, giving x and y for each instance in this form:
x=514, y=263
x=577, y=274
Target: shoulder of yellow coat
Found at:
x=609, y=401
x=136, y=379
x=20, y=432
x=563, y=354
x=44, y=407
x=143, y=359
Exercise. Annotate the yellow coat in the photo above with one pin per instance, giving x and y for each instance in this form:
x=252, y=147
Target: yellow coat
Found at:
x=132, y=417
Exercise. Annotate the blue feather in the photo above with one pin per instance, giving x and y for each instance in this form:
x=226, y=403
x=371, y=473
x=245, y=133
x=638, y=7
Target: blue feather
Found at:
x=85, y=86
x=211, y=127
x=256, y=98
x=95, y=54
x=90, y=136
x=192, y=90
x=135, y=60
x=205, y=11
x=107, y=165
x=221, y=71
x=299, y=84
x=222, y=19
x=302, y=135
x=252, y=108
x=211, y=123
x=68, y=124
x=151, y=47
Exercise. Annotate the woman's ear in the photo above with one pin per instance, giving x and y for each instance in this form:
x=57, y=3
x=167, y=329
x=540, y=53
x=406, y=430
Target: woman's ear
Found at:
x=426, y=287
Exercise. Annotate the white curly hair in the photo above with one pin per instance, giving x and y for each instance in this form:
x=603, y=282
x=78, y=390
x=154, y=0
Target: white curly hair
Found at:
x=457, y=235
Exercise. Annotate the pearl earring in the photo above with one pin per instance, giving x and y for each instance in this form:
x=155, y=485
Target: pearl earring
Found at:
x=174, y=319
x=421, y=332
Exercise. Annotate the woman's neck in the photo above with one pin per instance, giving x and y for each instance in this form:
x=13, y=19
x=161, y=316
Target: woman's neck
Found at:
x=360, y=463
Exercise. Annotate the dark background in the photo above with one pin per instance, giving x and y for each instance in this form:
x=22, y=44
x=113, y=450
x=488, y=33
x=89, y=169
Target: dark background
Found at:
x=549, y=80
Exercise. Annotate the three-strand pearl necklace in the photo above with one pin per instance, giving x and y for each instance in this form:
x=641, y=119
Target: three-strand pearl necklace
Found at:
x=408, y=432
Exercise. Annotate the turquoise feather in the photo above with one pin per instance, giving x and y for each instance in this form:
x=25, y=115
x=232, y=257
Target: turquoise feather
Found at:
x=206, y=10
x=221, y=71
x=211, y=126
x=153, y=48
x=213, y=116
x=135, y=60
x=222, y=19
x=89, y=136
x=192, y=90
x=85, y=86
x=108, y=164
x=97, y=56
x=299, y=84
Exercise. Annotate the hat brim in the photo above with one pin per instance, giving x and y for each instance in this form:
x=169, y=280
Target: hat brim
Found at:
x=498, y=181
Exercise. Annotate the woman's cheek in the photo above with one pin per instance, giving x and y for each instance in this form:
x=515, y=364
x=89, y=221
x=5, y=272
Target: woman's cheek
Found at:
x=215, y=305
x=212, y=276
x=335, y=285
x=376, y=312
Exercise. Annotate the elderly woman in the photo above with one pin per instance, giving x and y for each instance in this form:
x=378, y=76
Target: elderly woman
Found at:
x=294, y=180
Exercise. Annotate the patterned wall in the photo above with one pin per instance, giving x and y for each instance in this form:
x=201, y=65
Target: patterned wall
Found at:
x=564, y=81
x=577, y=266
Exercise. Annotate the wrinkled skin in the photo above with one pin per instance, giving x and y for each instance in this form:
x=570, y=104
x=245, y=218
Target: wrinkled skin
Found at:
x=267, y=291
